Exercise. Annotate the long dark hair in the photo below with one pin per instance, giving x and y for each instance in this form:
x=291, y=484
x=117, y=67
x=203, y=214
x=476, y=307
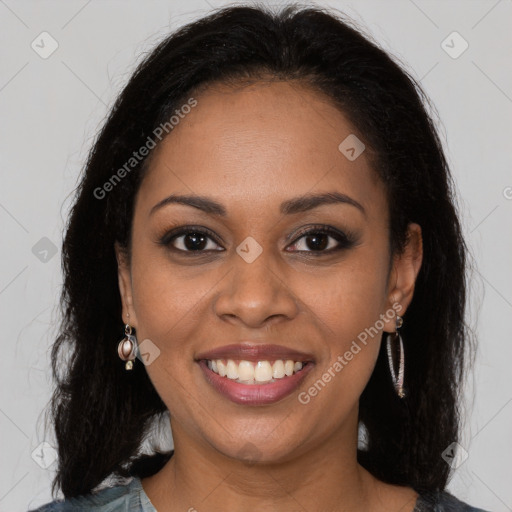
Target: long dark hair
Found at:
x=102, y=413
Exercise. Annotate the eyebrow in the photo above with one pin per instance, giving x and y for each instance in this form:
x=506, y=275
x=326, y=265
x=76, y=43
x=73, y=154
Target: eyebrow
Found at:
x=289, y=207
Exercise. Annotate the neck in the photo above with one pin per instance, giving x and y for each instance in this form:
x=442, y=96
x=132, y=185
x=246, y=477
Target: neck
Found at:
x=326, y=477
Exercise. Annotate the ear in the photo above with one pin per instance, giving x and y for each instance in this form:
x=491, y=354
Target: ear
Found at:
x=404, y=272
x=125, y=285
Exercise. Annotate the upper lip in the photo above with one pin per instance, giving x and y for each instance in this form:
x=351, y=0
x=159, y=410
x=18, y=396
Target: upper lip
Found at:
x=248, y=351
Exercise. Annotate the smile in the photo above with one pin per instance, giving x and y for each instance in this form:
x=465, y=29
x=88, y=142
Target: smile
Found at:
x=253, y=392
x=251, y=373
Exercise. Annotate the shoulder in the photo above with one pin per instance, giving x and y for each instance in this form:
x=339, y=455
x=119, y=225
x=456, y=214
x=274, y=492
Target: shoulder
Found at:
x=442, y=501
x=129, y=497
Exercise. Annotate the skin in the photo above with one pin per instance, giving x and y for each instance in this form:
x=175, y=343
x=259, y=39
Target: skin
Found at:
x=251, y=148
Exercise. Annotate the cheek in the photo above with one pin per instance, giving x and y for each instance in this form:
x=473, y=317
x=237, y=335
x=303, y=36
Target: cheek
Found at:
x=349, y=318
x=167, y=308
x=349, y=298
x=348, y=307
x=166, y=302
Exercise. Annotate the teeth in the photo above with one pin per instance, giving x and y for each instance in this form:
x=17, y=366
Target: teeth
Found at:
x=247, y=372
x=263, y=371
x=278, y=369
x=231, y=370
x=221, y=368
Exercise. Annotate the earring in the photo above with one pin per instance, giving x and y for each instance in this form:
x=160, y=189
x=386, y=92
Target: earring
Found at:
x=398, y=378
x=127, y=347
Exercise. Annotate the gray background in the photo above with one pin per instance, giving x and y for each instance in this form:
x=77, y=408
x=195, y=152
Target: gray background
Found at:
x=51, y=109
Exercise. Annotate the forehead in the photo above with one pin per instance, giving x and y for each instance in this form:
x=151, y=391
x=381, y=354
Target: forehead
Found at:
x=256, y=143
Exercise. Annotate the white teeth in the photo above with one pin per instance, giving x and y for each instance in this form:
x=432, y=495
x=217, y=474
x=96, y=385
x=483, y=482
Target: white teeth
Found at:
x=278, y=369
x=248, y=372
x=221, y=368
x=263, y=371
x=231, y=370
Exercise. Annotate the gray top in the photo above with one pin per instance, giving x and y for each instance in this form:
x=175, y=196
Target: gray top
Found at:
x=132, y=498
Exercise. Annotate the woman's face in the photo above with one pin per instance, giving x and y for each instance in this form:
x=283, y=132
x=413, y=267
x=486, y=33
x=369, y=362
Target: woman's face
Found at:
x=260, y=152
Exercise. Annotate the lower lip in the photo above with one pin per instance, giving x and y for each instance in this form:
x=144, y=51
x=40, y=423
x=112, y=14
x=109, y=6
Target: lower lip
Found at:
x=255, y=394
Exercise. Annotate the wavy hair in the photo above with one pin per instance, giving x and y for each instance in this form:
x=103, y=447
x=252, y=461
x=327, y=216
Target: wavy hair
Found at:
x=101, y=413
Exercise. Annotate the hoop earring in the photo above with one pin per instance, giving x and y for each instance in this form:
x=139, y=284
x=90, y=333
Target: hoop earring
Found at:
x=397, y=377
x=127, y=347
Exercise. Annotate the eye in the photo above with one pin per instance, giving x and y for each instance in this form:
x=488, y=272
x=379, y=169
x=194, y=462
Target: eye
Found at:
x=316, y=240
x=322, y=239
x=191, y=239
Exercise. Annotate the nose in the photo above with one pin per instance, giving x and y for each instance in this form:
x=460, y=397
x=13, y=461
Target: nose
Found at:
x=255, y=294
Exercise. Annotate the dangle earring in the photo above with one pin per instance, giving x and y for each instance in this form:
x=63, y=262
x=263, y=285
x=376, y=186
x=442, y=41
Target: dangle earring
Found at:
x=397, y=377
x=127, y=347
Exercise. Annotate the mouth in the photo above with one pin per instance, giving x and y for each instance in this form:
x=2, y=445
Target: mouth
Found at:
x=252, y=374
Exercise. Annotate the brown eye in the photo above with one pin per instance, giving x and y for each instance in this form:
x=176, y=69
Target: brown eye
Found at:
x=322, y=240
x=190, y=240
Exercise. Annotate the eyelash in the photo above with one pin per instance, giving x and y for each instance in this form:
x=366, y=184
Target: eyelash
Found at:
x=345, y=240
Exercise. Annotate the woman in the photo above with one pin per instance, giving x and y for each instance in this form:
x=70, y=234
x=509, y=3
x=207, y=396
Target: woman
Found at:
x=268, y=216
